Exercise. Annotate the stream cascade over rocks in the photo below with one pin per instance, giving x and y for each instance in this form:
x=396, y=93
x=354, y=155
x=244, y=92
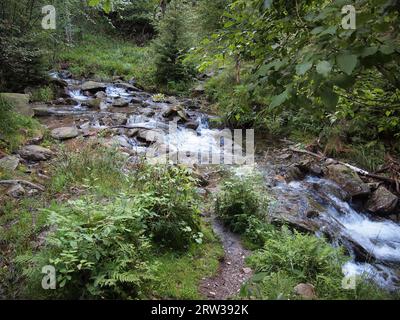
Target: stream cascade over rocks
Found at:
x=320, y=197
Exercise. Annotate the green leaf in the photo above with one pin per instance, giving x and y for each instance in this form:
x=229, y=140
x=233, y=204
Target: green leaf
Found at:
x=279, y=99
x=386, y=49
x=369, y=51
x=324, y=68
x=347, y=63
x=331, y=31
x=329, y=98
x=302, y=68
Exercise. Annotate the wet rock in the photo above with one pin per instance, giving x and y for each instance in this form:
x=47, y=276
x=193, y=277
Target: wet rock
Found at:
x=176, y=111
x=132, y=132
x=190, y=104
x=316, y=170
x=348, y=180
x=20, y=103
x=284, y=156
x=136, y=100
x=120, y=103
x=148, y=112
x=103, y=105
x=42, y=111
x=93, y=86
x=127, y=86
x=71, y=102
x=9, y=163
x=294, y=173
x=305, y=290
x=382, y=201
x=311, y=214
x=64, y=133
x=193, y=125
x=15, y=191
x=92, y=103
x=150, y=135
x=115, y=119
x=100, y=95
x=35, y=153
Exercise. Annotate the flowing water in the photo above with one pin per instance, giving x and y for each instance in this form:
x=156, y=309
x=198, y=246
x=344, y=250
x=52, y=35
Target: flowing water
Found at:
x=374, y=244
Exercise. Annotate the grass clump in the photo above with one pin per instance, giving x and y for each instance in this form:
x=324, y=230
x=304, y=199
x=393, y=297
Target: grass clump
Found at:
x=92, y=166
x=289, y=258
x=180, y=273
x=104, y=57
x=42, y=94
x=15, y=128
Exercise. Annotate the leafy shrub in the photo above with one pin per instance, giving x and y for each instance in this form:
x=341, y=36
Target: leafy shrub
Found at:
x=305, y=257
x=169, y=194
x=43, y=94
x=289, y=258
x=239, y=200
x=99, y=250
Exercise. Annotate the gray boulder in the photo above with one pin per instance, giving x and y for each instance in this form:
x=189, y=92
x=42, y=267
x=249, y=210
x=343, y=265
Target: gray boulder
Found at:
x=120, y=103
x=64, y=133
x=20, y=103
x=9, y=163
x=35, y=153
x=93, y=86
x=15, y=191
x=382, y=201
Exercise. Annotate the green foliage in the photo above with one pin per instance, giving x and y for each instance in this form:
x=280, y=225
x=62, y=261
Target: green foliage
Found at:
x=307, y=72
x=240, y=200
x=169, y=195
x=289, y=258
x=307, y=258
x=21, y=59
x=98, y=249
x=104, y=57
x=135, y=19
x=179, y=274
x=93, y=166
x=14, y=127
x=43, y=94
x=171, y=45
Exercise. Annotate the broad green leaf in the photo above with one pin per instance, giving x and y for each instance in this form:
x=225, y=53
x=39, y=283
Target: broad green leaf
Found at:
x=329, y=98
x=324, y=68
x=331, y=30
x=302, y=68
x=317, y=30
x=369, y=51
x=347, y=62
x=386, y=49
x=279, y=99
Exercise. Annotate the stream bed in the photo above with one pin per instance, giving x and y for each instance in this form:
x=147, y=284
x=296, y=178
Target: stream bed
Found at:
x=313, y=204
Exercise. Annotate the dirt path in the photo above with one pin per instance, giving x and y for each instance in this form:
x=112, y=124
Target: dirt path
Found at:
x=232, y=271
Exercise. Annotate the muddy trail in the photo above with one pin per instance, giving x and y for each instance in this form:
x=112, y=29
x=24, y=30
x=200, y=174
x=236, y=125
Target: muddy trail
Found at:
x=232, y=272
